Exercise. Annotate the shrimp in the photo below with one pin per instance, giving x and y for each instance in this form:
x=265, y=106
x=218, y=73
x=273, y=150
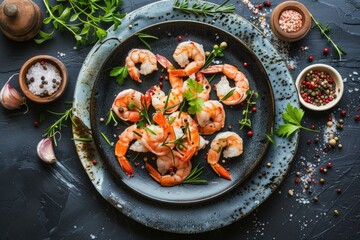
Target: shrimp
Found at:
x=125, y=138
x=223, y=87
x=159, y=139
x=211, y=118
x=185, y=51
x=188, y=134
x=129, y=103
x=143, y=56
x=175, y=81
x=200, y=78
x=160, y=101
x=173, y=171
x=233, y=145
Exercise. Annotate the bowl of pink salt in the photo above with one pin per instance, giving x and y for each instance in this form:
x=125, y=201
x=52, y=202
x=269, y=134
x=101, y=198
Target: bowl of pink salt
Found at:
x=43, y=78
x=290, y=21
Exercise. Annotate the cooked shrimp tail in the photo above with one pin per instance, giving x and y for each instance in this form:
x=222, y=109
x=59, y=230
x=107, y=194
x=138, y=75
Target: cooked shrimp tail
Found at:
x=124, y=163
x=221, y=171
x=164, y=62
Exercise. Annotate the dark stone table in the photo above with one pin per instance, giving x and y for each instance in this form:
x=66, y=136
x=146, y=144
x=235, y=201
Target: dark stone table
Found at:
x=40, y=201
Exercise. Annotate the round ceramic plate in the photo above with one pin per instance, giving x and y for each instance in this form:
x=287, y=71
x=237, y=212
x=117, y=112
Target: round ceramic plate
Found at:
x=205, y=215
x=106, y=88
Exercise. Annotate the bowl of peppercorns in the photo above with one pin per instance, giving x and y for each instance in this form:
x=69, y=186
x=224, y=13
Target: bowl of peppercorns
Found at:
x=43, y=78
x=320, y=87
x=290, y=21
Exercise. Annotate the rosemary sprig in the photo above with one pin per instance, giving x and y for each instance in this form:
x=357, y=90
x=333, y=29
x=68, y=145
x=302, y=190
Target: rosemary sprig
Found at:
x=229, y=94
x=57, y=126
x=203, y=8
x=82, y=139
x=324, y=31
x=143, y=36
x=246, y=122
x=194, y=176
x=106, y=138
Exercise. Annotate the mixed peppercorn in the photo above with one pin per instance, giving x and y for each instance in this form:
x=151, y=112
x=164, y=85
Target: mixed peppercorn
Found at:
x=318, y=88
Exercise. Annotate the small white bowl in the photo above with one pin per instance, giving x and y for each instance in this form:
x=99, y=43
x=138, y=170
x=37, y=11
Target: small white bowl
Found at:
x=336, y=77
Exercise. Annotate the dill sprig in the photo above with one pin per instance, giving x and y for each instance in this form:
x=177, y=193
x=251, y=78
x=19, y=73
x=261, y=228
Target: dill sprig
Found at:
x=324, y=31
x=203, y=8
x=57, y=126
x=246, y=122
x=194, y=176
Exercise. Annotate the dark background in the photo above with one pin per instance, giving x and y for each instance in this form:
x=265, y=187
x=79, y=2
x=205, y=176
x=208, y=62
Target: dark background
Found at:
x=38, y=201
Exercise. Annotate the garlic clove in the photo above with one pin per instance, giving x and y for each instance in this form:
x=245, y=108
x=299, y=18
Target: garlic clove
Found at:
x=45, y=150
x=10, y=98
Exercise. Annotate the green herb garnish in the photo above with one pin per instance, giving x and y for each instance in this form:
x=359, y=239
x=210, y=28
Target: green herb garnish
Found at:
x=194, y=176
x=246, y=122
x=324, y=31
x=82, y=139
x=120, y=73
x=216, y=52
x=196, y=103
x=106, y=138
x=143, y=37
x=111, y=117
x=229, y=94
x=203, y=8
x=292, y=118
x=83, y=19
x=57, y=126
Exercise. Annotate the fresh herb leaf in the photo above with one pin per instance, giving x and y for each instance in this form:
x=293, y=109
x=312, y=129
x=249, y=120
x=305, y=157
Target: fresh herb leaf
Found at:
x=57, y=126
x=229, y=94
x=292, y=118
x=83, y=19
x=324, y=31
x=246, y=122
x=111, y=118
x=106, y=139
x=194, y=176
x=206, y=9
x=120, y=73
x=218, y=51
x=143, y=37
x=190, y=95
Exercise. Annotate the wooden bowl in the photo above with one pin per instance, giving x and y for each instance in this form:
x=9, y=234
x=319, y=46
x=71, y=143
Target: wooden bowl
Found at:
x=290, y=36
x=336, y=77
x=41, y=59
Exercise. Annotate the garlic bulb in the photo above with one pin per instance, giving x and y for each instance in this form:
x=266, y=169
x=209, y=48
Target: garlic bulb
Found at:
x=45, y=150
x=10, y=98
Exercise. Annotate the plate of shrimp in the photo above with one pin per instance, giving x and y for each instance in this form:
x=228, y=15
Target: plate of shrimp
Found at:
x=160, y=147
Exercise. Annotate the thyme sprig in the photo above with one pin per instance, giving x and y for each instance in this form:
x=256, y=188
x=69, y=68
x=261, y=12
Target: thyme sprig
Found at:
x=324, y=31
x=246, y=122
x=203, y=8
x=83, y=19
x=57, y=126
x=143, y=37
x=194, y=176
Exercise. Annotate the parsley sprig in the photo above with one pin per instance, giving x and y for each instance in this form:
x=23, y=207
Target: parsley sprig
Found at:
x=83, y=19
x=324, y=31
x=246, y=122
x=190, y=95
x=120, y=73
x=292, y=118
x=203, y=8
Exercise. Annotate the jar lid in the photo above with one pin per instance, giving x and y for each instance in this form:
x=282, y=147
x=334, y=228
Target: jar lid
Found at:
x=20, y=20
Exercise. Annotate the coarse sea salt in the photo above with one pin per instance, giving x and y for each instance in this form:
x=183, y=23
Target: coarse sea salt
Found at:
x=43, y=79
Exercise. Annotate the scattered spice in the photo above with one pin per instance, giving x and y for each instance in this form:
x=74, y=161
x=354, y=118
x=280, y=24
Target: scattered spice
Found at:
x=336, y=212
x=310, y=58
x=326, y=51
x=290, y=21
